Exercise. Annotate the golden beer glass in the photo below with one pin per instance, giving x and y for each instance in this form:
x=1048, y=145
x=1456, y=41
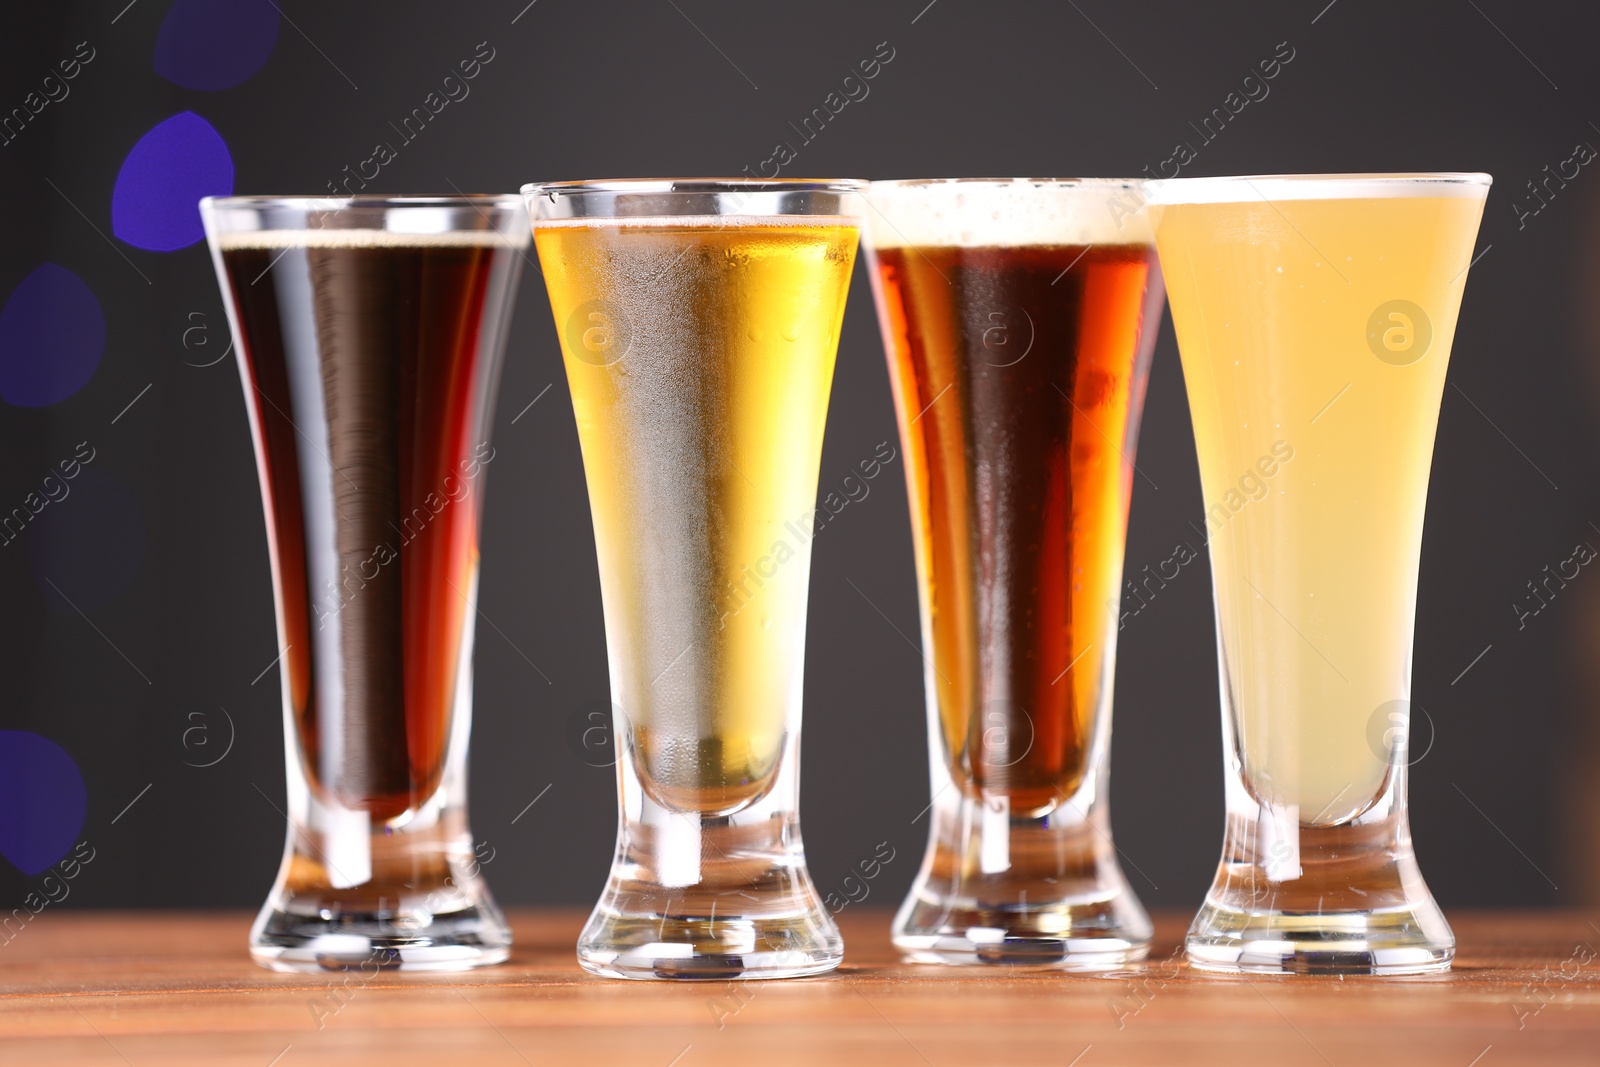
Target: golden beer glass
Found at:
x=699, y=322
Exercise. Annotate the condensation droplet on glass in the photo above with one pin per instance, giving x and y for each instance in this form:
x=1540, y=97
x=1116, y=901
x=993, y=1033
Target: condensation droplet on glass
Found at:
x=766, y=622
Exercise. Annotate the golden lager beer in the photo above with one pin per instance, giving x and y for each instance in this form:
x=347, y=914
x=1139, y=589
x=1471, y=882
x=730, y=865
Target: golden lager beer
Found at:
x=699, y=321
x=700, y=359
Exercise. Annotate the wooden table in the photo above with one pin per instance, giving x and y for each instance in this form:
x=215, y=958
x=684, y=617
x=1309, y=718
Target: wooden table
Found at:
x=163, y=988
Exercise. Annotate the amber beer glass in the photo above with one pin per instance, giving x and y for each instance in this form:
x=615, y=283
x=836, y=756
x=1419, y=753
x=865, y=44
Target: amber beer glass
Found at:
x=699, y=322
x=1019, y=317
x=369, y=333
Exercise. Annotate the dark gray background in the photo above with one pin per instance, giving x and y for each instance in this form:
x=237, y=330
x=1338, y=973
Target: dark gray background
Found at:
x=1502, y=811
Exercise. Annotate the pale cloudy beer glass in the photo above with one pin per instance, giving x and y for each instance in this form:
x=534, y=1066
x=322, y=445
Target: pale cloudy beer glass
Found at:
x=1018, y=317
x=1314, y=315
x=370, y=332
x=699, y=322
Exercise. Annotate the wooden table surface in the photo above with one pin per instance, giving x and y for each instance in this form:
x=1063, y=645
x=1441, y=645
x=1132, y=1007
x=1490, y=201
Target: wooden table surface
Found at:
x=169, y=988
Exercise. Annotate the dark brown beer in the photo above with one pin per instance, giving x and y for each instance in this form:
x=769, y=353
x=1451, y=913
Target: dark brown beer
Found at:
x=368, y=358
x=1019, y=382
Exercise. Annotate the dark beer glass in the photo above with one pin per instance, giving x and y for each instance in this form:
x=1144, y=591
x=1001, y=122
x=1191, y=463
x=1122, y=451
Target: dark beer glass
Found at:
x=370, y=332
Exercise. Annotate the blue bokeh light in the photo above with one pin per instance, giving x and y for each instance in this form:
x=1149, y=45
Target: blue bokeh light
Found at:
x=52, y=334
x=156, y=202
x=42, y=801
x=215, y=44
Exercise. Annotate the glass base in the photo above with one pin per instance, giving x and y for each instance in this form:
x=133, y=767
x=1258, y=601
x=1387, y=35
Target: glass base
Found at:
x=1298, y=899
x=1039, y=890
x=710, y=897
x=1095, y=936
x=412, y=940
x=408, y=895
x=1352, y=942
x=681, y=946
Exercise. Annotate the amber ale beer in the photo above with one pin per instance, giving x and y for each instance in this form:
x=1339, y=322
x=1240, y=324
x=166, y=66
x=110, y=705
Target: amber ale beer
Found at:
x=1018, y=318
x=370, y=333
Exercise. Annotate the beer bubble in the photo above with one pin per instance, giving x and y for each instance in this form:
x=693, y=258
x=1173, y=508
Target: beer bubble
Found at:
x=598, y=333
x=1391, y=735
x=1399, y=332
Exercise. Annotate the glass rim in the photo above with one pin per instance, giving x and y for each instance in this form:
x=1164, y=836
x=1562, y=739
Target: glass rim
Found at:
x=702, y=186
x=1004, y=183
x=1362, y=185
x=364, y=200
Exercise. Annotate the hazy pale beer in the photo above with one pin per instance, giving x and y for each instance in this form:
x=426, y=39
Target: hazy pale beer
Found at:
x=1018, y=318
x=1315, y=317
x=699, y=324
x=369, y=334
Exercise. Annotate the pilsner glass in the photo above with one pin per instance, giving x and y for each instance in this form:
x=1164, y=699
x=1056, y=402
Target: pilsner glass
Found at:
x=1314, y=315
x=370, y=332
x=1018, y=317
x=698, y=323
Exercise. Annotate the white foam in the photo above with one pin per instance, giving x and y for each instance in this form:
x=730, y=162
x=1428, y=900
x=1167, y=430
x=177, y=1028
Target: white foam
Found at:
x=1007, y=212
x=1234, y=190
x=368, y=238
x=680, y=222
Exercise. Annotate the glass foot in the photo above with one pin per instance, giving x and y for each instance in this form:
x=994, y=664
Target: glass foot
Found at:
x=684, y=946
x=1093, y=935
x=412, y=940
x=1339, y=899
x=1408, y=940
x=694, y=895
x=1036, y=889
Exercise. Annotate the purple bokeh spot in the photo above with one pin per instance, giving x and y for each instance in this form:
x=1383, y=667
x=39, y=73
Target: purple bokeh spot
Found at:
x=88, y=542
x=42, y=801
x=215, y=44
x=52, y=334
x=156, y=202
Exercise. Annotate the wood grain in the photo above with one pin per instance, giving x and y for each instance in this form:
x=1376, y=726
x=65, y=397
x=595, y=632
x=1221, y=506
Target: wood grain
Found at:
x=176, y=988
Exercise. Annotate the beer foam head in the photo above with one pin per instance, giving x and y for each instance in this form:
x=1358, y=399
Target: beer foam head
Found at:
x=1007, y=212
x=1271, y=187
x=692, y=222
x=368, y=238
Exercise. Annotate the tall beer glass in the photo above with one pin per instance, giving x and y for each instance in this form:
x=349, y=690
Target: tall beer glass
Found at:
x=1315, y=315
x=698, y=323
x=369, y=333
x=1019, y=318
